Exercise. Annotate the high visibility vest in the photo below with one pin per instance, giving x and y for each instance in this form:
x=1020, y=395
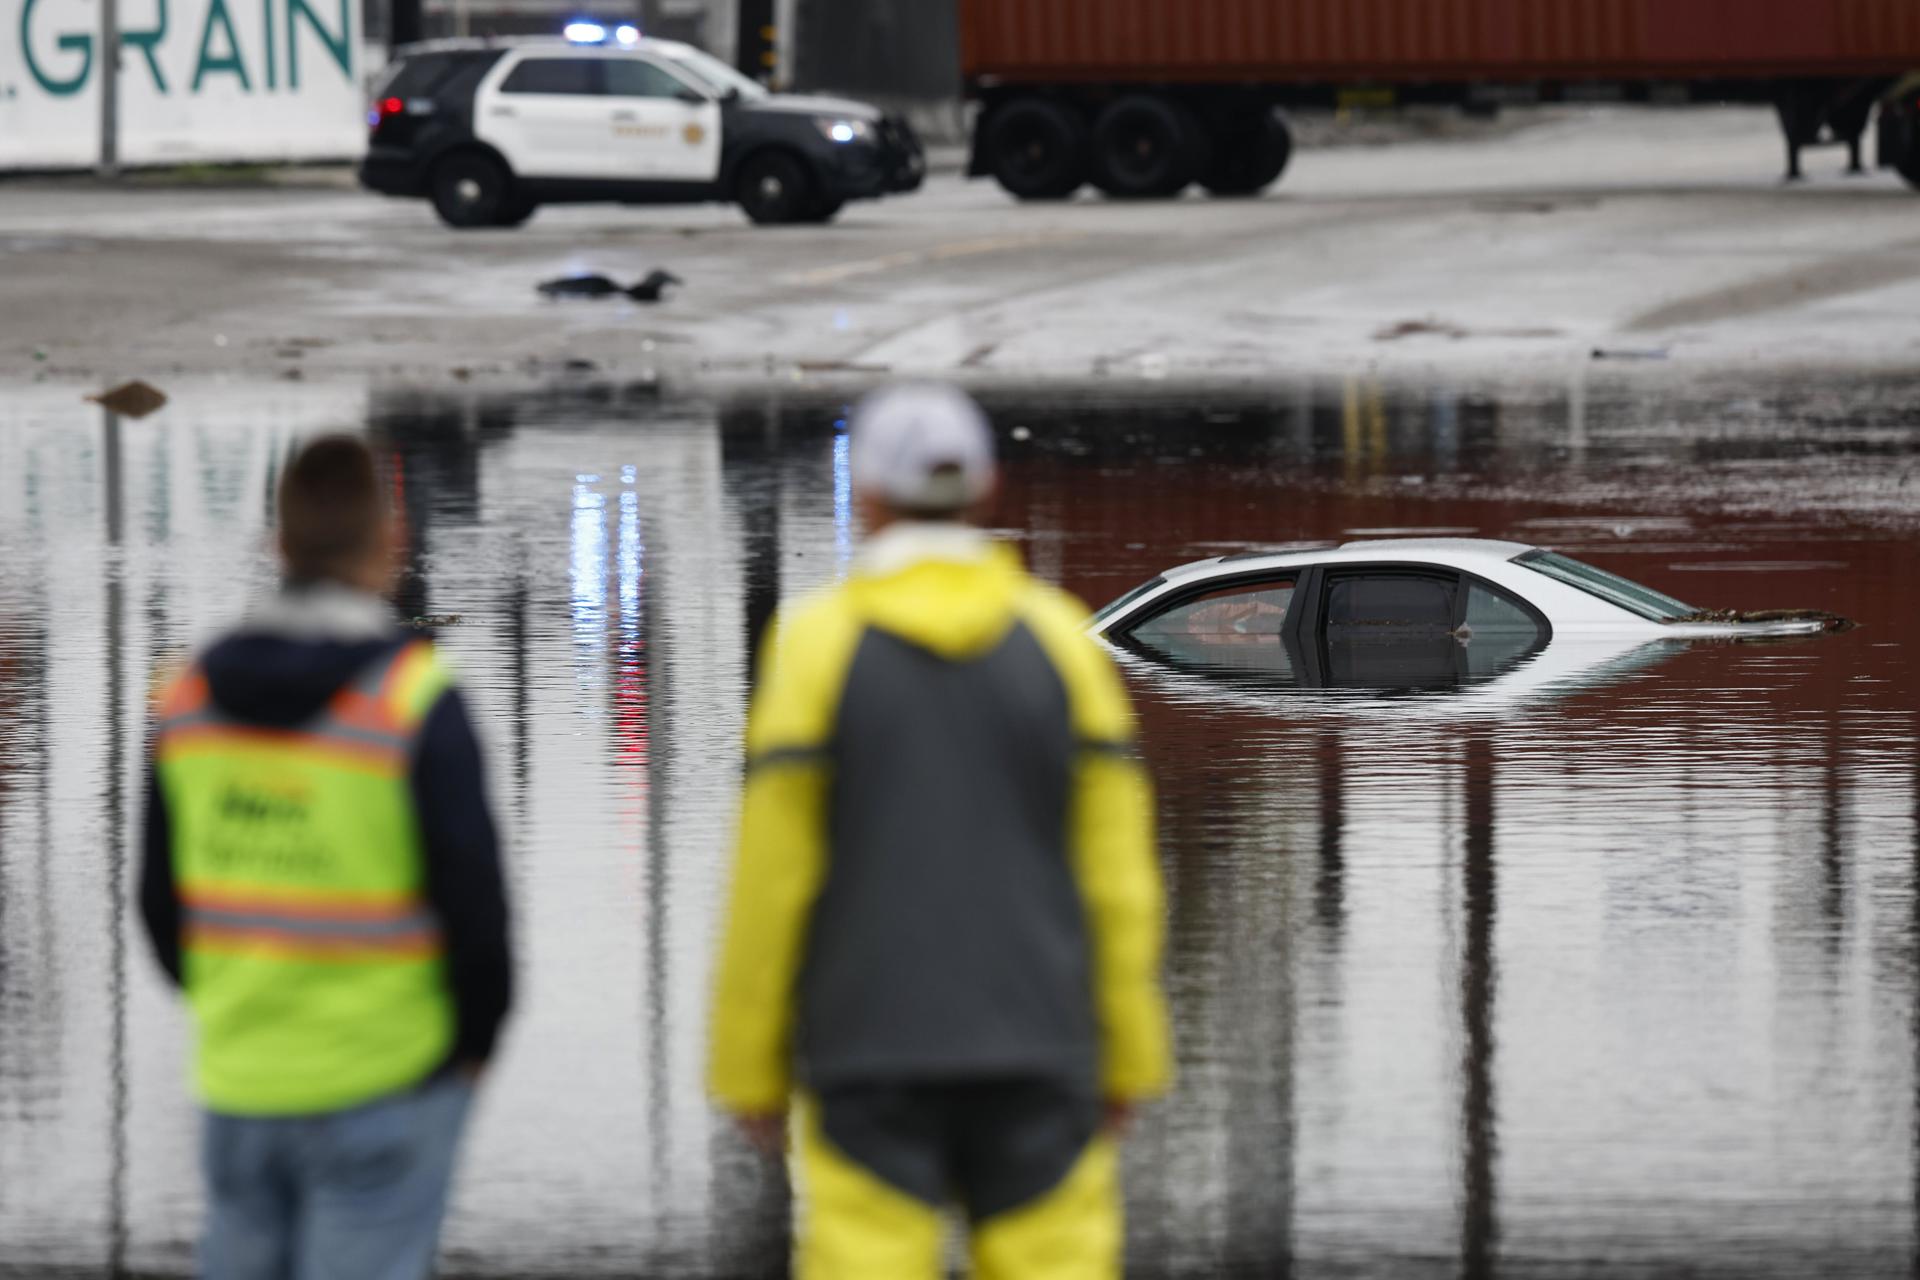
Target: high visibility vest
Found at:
x=313, y=964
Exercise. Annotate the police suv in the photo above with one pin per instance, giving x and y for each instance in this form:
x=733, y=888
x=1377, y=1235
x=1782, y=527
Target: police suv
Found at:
x=490, y=130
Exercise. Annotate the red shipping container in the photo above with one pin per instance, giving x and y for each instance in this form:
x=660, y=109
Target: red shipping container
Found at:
x=1416, y=41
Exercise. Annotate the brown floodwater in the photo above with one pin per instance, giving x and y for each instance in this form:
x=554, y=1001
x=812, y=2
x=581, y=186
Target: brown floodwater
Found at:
x=1611, y=962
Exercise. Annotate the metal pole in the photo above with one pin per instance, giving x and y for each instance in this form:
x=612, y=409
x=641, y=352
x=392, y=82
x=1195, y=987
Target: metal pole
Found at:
x=109, y=89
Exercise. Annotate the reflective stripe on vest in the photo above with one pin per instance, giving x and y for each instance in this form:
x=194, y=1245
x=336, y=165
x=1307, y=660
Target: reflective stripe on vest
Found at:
x=314, y=963
x=310, y=926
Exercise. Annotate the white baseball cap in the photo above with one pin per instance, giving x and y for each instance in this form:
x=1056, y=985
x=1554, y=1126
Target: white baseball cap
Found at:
x=922, y=447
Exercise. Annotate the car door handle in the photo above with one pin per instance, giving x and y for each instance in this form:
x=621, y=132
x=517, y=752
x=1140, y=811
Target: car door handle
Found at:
x=502, y=111
x=625, y=117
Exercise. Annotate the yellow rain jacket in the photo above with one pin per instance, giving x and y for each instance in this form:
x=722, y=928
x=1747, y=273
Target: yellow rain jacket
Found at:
x=946, y=865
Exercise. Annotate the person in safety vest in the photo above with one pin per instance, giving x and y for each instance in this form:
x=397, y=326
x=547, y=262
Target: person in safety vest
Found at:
x=321, y=878
x=945, y=922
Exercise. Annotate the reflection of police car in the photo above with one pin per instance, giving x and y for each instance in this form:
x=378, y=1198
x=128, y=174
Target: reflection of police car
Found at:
x=490, y=130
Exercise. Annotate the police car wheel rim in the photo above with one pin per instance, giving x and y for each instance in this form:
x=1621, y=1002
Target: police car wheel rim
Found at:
x=772, y=189
x=467, y=191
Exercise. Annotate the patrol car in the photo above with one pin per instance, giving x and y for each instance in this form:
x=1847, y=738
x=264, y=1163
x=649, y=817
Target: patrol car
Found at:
x=489, y=130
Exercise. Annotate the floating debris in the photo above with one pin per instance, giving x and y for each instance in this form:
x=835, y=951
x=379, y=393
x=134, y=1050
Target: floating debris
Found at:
x=1419, y=329
x=1832, y=622
x=429, y=621
x=599, y=286
x=134, y=399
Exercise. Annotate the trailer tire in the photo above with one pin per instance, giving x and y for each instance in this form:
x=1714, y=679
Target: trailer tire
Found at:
x=1250, y=152
x=1900, y=140
x=1146, y=146
x=1037, y=150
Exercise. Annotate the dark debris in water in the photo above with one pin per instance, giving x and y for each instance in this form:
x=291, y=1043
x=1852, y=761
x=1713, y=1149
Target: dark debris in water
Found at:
x=429, y=621
x=134, y=399
x=1831, y=622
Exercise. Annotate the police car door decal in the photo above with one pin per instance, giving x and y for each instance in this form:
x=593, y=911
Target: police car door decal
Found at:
x=667, y=130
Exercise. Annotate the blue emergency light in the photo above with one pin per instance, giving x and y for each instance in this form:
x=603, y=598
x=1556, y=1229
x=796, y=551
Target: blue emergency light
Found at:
x=586, y=31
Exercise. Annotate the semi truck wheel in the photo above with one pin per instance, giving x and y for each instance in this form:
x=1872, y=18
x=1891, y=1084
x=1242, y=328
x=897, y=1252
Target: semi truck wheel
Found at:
x=1900, y=139
x=1250, y=152
x=1037, y=149
x=1147, y=146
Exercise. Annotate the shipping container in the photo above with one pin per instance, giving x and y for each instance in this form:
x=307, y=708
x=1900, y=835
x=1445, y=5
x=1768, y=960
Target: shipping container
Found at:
x=1143, y=97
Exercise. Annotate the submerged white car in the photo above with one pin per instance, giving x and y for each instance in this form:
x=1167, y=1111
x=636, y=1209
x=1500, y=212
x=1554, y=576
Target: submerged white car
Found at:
x=1405, y=613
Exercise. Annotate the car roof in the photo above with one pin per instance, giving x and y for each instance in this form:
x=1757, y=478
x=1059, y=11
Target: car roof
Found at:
x=1451, y=551
x=545, y=44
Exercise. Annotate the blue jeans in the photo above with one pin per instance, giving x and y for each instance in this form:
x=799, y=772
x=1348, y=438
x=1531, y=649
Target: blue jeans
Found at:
x=349, y=1195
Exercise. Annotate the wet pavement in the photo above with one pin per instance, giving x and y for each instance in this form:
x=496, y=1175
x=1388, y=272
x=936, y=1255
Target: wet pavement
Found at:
x=1619, y=969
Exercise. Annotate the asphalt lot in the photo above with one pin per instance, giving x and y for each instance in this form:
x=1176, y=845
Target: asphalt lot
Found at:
x=1657, y=237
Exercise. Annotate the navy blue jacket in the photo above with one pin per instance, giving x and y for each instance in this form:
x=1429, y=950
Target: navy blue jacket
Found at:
x=280, y=681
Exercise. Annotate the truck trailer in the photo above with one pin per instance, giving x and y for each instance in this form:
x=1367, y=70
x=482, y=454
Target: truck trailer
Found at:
x=1144, y=98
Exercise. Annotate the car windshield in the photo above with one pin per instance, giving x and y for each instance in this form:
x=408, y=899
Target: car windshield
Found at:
x=1118, y=606
x=1631, y=596
x=717, y=75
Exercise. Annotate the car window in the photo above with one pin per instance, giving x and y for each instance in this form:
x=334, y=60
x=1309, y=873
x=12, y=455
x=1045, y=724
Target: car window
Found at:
x=575, y=76
x=1240, y=627
x=716, y=74
x=1490, y=610
x=417, y=76
x=1390, y=600
x=1391, y=630
x=636, y=78
x=1498, y=632
x=1115, y=608
x=1655, y=606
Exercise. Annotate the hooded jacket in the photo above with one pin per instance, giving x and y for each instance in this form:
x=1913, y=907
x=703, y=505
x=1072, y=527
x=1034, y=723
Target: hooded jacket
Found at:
x=946, y=866
x=280, y=669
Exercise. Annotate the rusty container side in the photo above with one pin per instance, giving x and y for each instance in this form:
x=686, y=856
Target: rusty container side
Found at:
x=1413, y=40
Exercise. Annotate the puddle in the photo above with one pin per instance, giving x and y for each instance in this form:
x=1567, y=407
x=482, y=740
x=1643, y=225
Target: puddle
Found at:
x=1624, y=975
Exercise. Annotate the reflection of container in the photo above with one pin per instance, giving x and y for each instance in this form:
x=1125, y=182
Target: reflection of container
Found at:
x=1152, y=94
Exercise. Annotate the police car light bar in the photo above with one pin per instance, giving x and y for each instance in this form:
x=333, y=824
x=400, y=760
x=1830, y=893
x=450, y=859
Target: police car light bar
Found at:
x=627, y=33
x=585, y=32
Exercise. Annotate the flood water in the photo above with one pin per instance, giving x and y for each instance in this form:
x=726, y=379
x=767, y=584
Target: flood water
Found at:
x=1536, y=977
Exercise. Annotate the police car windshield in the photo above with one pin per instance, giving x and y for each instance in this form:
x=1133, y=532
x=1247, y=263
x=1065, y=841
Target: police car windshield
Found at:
x=716, y=75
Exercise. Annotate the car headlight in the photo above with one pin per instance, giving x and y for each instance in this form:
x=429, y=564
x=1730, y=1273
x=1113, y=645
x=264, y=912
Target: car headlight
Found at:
x=841, y=129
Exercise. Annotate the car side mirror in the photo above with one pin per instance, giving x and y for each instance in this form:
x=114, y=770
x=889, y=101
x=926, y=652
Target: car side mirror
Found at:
x=692, y=97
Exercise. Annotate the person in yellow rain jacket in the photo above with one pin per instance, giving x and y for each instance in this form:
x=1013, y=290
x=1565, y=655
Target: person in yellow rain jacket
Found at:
x=945, y=922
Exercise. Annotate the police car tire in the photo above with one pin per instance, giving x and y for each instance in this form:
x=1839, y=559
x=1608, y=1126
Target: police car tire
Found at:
x=822, y=210
x=471, y=191
x=516, y=211
x=1180, y=148
x=774, y=187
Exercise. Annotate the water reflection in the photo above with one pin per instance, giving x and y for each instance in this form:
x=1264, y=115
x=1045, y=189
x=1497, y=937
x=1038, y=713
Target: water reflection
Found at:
x=1608, y=957
x=1479, y=1144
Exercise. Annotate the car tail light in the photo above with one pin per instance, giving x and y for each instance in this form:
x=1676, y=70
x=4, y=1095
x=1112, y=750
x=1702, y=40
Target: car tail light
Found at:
x=391, y=107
